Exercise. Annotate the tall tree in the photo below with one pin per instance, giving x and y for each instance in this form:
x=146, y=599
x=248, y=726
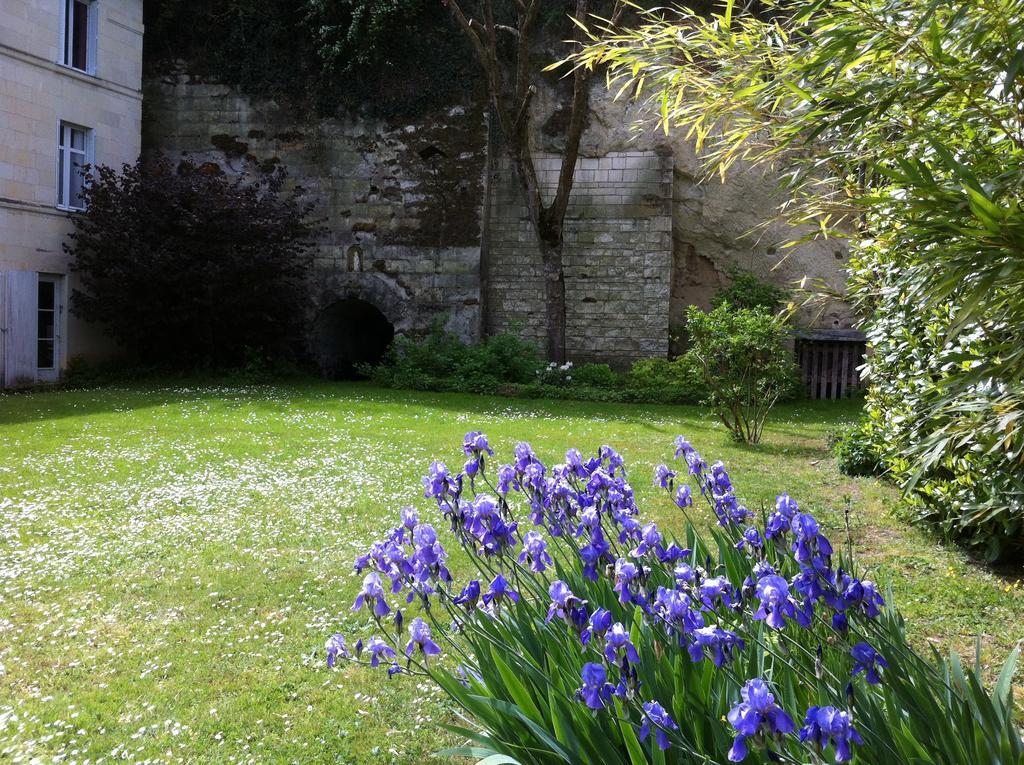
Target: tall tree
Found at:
x=505, y=54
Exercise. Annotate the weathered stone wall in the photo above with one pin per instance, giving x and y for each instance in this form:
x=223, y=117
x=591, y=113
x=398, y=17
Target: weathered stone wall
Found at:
x=617, y=257
x=403, y=208
x=400, y=205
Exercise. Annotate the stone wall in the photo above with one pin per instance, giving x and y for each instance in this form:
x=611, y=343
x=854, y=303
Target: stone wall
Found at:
x=617, y=257
x=400, y=206
x=403, y=208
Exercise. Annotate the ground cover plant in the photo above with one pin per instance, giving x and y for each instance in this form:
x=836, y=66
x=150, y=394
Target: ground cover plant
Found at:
x=172, y=556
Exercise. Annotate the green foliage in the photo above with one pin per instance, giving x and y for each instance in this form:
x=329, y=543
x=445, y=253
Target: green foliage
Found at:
x=745, y=362
x=749, y=291
x=387, y=58
x=186, y=267
x=503, y=364
x=854, y=451
x=442, y=361
x=664, y=381
x=895, y=123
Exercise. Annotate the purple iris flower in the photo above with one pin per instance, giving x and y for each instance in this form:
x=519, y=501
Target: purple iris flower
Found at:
x=535, y=552
x=869, y=661
x=596, y=690
x=378, y=649
x=663, y=477
x=650, y=541
x=626, y=574
x=655, y=713
x=676, y=610
x=499, y=591
x=720, y=644
x=828, y=725
x=615, y=461
x=475, y=444
x=524, y=456
x=777, y=526
x=809, y=543
x=684, y=497
x=717, y=588
x=562, y=601
x=419, y=638
x=593, y=553
x=372, y=591
x=757, y=714
x=786, y=505
x=439, y=483
x=751, y=539
x=469, y=596
x=776, y=603
x=335, y=647
x=814, y=583
x=617, y=644
x=684, y=573
x=696, y=465
x=506, y=480
x=853, y=594
x=682, y=447
x=674, y=552
x=409, y=517
x=599, y=623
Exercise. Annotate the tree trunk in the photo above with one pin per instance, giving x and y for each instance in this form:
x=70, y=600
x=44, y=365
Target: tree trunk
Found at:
x=554, y=300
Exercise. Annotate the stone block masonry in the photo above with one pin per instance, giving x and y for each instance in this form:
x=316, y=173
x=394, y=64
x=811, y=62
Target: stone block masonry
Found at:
x=617, y=257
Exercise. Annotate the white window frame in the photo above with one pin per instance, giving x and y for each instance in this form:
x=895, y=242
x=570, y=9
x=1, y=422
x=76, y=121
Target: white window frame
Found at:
x=51, y=374
x=63, y=177
x=64, y=53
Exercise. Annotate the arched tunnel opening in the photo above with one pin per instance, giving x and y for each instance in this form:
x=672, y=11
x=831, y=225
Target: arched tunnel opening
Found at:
x=348, y=334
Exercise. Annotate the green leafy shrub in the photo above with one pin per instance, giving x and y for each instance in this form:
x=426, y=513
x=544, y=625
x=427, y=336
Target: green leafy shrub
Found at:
x=442, y=361
x=746, y=365
x=748, y=290
x=679, y=381
x=854, y=451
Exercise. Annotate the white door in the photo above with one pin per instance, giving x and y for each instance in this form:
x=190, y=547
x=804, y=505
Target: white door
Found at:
x=19, y=320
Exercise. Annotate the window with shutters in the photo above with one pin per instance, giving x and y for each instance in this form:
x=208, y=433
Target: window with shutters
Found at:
x=74, y=150
x=78, y=34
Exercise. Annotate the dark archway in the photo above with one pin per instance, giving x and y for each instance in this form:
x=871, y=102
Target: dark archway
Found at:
x=348, y=333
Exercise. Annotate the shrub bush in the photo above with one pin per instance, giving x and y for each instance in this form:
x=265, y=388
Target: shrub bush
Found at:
x=596, y=637
x=661, y=381
x=749, y=291
x=186, y=267
x=503, y=364
x=854, y=451
x=745, y=362
x=442, y=361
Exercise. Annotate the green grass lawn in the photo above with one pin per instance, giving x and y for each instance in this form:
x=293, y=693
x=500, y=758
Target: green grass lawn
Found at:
x=173, y=558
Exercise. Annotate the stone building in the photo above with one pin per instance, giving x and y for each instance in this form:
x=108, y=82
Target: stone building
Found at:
x=70, y=95
x=424, y=222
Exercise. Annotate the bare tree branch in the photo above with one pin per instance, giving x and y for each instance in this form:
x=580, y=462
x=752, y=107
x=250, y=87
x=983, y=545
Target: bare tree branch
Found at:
x=574, y=133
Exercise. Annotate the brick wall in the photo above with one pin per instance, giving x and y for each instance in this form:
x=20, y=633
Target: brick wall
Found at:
x=618, y=257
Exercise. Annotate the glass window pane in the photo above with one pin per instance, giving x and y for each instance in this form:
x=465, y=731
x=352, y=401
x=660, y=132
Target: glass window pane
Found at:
x=47, y=292
x=45, y=325
x=77, y=180
x=78, y=139
x=80, y=39
x=44, y=354
x=61, y=197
